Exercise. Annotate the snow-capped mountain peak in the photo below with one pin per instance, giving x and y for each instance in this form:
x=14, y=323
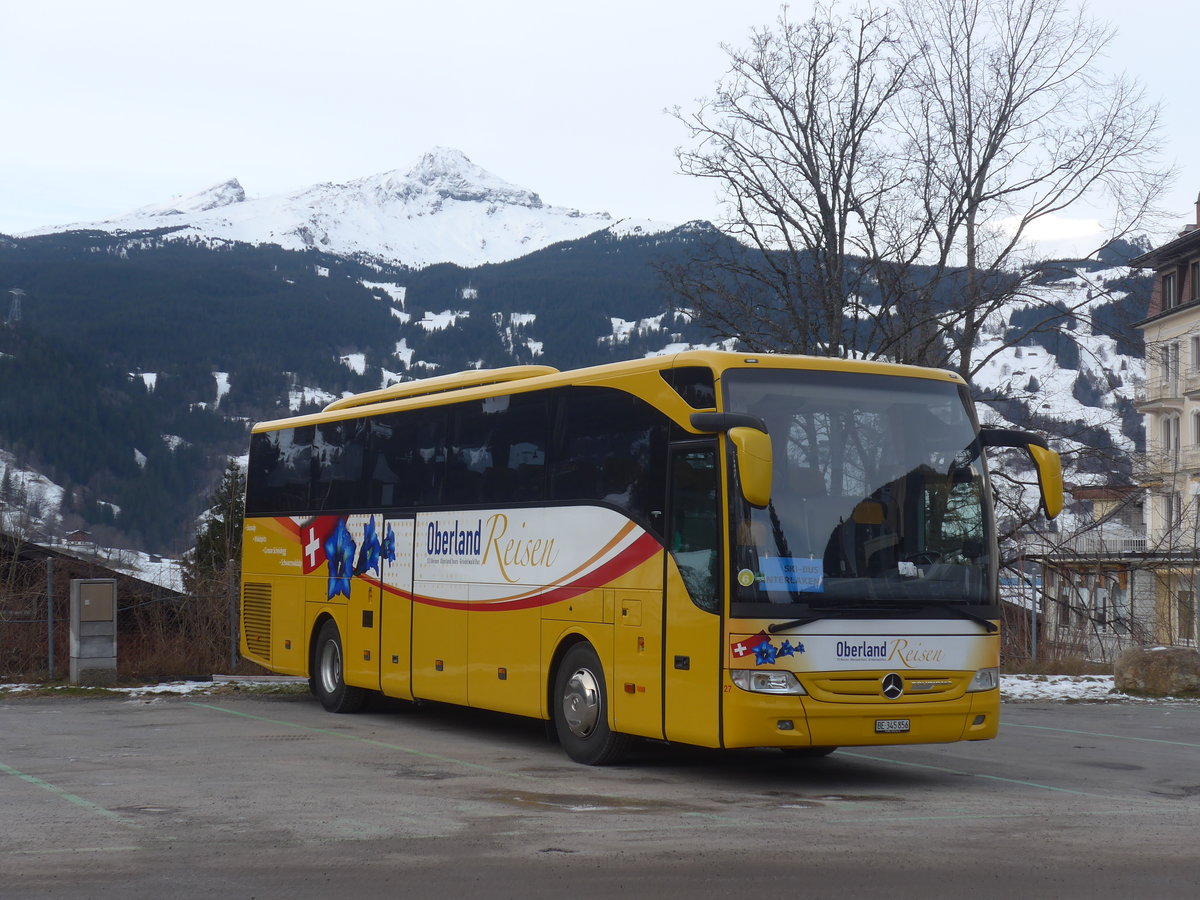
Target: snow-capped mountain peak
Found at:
x=444, y=208
x=219, y=195
x=452, y=176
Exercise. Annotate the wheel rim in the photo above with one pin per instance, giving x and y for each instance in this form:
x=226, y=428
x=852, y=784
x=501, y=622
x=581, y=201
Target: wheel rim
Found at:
x=331, y=667
x=581, y=703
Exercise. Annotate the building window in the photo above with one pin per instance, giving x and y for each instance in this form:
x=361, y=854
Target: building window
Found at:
x=1196, y=429
x=1169, y=434
x=1173, y=510
x=1185, y=616
x=1064, y=610
x=1170, y=291
x=1194, y=277
x=1169, y=355
x=1195, y=347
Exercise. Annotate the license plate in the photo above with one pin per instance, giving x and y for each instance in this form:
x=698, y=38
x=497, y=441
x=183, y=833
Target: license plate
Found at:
x=891, y=726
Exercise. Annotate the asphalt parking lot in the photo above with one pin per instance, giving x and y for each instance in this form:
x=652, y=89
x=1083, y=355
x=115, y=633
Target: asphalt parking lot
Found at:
x=245, y=795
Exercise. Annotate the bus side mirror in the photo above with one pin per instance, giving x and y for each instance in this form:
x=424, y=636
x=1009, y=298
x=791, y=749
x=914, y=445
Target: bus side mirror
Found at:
x=1049, y=471
x=1046, y=461
x=753, y=448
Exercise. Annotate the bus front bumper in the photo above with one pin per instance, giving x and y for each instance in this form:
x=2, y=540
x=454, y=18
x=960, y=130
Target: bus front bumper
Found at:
x=762, y=720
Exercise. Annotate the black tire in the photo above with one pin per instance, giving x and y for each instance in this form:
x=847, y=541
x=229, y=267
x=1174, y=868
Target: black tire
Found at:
x=581, y=710
x=808, y=752
x=327, y=678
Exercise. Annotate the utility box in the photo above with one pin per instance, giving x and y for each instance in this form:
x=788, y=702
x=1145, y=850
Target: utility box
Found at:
x=93, y=630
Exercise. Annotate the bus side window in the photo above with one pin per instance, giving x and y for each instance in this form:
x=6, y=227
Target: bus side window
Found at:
x=519, y=438
x=695, y=525
x=408, y=453
x=340, y=453
x=286, y=458
x=610, y=447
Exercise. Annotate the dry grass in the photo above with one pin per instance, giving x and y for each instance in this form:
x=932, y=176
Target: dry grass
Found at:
x=1069, y=665
x=189, y=637
x=173, y=637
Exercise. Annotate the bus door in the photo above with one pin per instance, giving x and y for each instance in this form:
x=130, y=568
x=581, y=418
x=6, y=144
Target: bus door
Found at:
x=395, y=627
x=694, y=593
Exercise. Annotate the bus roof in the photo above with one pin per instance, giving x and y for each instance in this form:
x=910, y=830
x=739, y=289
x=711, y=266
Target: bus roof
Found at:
x=478, y=383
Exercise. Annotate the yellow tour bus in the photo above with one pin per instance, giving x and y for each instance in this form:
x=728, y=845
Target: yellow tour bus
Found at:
x=711, y=548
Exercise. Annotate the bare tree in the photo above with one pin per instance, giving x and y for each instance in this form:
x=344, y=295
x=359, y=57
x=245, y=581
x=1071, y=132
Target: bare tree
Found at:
x=794, y=138
x=881, y=172
x=1012, y=120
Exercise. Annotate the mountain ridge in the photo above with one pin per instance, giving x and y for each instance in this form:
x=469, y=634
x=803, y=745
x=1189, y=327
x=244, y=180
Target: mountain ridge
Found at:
x=444, y=208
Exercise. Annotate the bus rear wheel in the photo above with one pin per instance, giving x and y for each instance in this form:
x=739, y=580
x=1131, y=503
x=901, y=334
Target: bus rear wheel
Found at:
x=581, y=710
x=328, y=680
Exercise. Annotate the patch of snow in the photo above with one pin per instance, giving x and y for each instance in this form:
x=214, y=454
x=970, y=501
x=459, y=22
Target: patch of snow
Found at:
x=139, y=457
x=1077, y=688
x=222, y=379
x=218, y=682
x=404, y=353
x=33, y=501
x=439, y=321
x=639, y=227
x=395, y=291
x=307, y=396
x=355, y=362
x=623, y=330
x=680, y=346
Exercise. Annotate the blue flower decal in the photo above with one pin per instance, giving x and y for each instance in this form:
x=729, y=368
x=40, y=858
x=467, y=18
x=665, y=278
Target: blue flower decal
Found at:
x=389, y=545
x=368, y=556
x=339, y=553
x=788, y=649
x=765, y=653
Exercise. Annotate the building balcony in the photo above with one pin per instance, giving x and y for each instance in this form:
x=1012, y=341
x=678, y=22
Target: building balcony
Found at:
x=1172, y=465
x=1163, y=394
x=1191, y=384
x=1101, y=545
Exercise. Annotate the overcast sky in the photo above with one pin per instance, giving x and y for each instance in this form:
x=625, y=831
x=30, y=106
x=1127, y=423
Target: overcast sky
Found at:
x=115, y=105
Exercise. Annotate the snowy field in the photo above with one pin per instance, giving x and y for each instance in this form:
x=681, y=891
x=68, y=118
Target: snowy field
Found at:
x=1013, y=688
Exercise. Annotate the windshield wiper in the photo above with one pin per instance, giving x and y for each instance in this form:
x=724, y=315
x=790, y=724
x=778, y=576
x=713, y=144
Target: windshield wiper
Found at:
x=852, y=611
x=795, y=623
x=848, y=612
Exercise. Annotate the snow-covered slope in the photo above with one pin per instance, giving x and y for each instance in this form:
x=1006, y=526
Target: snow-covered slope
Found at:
x=443, y=209
x=1095, y=391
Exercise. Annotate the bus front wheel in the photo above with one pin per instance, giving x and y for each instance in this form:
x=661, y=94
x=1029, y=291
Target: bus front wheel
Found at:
x=581, y=710
x=328, y=680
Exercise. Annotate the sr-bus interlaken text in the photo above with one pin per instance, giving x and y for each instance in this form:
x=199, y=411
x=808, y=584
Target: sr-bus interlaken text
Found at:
x=717, y=549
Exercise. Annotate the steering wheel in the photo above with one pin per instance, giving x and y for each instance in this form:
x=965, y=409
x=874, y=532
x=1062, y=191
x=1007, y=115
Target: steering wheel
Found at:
x=923, y=557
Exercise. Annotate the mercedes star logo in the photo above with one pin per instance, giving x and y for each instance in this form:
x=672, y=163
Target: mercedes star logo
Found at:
x=893, y=685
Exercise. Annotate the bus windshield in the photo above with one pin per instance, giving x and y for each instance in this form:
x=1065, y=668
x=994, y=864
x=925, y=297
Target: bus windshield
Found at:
x=878, y=503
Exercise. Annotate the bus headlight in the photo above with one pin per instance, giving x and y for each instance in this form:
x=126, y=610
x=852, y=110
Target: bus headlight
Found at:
x=763, y=682
x=984, y=680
